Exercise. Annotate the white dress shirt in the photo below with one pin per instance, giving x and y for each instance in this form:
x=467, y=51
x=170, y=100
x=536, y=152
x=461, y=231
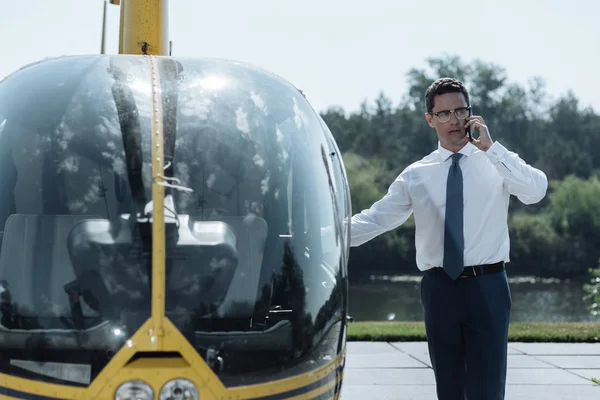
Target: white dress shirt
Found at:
x=489, y=178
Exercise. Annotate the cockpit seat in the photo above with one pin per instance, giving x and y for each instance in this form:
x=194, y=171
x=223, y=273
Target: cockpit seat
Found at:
x=34, y=268
x=251, y=233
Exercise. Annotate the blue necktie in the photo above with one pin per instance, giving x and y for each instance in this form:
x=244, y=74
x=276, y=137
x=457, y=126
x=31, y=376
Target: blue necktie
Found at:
x=453, y=228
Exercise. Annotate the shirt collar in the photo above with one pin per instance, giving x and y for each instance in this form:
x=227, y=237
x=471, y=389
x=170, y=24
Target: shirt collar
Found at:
x=467, y=150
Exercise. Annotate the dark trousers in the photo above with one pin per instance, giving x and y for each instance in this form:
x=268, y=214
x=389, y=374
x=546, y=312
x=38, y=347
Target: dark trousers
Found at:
x=466, y=322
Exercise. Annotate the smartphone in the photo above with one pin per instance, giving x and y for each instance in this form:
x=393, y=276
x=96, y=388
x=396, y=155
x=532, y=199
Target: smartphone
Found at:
x=469, y=128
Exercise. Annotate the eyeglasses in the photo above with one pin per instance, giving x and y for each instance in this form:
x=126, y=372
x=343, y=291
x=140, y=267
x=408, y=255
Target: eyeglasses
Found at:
x=459, y=113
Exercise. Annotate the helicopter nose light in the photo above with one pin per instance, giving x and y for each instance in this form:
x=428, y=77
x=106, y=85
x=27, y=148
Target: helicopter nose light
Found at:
x=134, y=390
x=179, y=389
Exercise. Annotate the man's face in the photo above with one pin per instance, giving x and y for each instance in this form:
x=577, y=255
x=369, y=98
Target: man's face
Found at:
x=452, y=133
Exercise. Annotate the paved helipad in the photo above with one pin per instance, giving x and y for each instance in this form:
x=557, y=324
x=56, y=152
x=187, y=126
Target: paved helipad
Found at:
x=402, y=370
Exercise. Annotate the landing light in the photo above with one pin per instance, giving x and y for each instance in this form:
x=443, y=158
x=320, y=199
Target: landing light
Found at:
x=134, y=390
x=179, y=389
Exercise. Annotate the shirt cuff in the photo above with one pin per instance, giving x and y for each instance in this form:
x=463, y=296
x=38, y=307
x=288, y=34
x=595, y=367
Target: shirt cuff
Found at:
x=496, y=152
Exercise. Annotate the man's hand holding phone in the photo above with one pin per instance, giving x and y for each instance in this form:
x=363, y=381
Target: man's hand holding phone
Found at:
x=484, y=140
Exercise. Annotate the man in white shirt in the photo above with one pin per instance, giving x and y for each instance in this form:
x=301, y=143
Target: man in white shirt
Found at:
x=459, y=195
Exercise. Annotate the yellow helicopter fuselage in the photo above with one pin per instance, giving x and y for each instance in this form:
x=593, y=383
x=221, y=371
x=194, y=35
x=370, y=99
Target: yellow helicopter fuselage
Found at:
x=158, y=353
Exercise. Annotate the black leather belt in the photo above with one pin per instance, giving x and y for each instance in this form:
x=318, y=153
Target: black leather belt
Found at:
x=476, y=270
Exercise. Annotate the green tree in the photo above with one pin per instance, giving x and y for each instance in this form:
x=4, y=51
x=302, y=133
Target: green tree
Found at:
x=573, y=206
x=592, y=290
x=363, y=175
x=536, y=248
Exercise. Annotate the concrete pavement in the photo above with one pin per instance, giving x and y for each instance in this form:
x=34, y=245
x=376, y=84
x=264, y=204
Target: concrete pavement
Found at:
x=402, y=370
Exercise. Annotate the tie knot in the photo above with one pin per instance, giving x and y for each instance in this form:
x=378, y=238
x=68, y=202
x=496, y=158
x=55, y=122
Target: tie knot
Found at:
x=456, y=157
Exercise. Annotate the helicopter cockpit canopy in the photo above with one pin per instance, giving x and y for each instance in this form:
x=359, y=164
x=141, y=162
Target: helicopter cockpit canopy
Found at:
x=255, y=204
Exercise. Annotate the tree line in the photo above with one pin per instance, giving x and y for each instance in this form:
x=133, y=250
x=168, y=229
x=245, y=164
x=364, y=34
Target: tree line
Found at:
x=558, y=237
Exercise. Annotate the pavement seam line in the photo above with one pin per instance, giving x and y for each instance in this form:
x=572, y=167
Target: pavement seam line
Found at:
x=408, y=354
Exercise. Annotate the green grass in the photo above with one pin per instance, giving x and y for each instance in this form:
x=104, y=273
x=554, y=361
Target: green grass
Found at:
x=399, y=331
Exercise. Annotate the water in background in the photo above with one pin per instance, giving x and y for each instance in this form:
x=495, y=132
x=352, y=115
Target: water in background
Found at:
x=533, y=299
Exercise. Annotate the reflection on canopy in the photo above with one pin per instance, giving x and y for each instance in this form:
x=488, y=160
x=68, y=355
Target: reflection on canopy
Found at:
x=252, y=175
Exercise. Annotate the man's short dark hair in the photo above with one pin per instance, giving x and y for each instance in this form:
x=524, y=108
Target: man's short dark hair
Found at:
x=443, y=86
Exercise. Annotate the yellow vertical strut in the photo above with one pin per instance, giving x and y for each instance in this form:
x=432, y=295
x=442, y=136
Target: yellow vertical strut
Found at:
x=144, y=27
x=158, y=213
x=144, y=30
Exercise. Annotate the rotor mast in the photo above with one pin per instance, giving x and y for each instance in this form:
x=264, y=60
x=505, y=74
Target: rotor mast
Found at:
x=144, y=27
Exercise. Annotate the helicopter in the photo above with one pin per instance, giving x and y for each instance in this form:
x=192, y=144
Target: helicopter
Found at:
x=171, y=228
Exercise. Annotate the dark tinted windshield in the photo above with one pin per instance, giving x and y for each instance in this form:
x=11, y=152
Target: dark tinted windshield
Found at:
x=253, y=170
x=71, y=149
x=254, y=209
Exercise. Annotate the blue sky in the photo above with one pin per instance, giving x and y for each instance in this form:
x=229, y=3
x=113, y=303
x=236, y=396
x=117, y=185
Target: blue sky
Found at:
x=339, y=52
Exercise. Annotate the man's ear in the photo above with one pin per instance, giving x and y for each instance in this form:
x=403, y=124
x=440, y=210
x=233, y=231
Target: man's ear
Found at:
x=429, y=119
